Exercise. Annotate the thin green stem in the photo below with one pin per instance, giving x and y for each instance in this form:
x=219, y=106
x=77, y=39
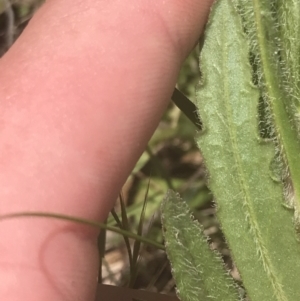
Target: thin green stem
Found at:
x=126, y=240
x=85, y=222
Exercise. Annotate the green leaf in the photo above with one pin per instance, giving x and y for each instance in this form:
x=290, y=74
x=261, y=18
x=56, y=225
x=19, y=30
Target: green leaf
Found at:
x=273, y=34
x=257, y=227
x=197, y=270
x=289, y=43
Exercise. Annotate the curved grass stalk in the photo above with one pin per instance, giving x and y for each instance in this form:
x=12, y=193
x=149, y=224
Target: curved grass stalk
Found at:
x=83, y=221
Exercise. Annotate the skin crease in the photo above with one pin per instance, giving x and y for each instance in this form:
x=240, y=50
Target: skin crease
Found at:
x=82, y=91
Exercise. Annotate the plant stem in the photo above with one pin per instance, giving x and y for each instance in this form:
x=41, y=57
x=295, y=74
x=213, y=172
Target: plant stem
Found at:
x=83, y=221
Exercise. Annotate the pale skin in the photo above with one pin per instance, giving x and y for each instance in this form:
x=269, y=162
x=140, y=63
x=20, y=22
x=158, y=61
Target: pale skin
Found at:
x=82, y=91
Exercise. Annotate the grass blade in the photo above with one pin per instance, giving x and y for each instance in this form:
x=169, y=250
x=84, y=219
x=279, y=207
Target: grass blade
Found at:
x=187, y=107
x=137, y=243
x=82, y=221
x=124, y=224
x=126, y=240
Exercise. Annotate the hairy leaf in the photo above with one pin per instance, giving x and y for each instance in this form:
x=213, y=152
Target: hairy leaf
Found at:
x=258, y=228
x=288, y=12
x=197, y=270
x=273, y=32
